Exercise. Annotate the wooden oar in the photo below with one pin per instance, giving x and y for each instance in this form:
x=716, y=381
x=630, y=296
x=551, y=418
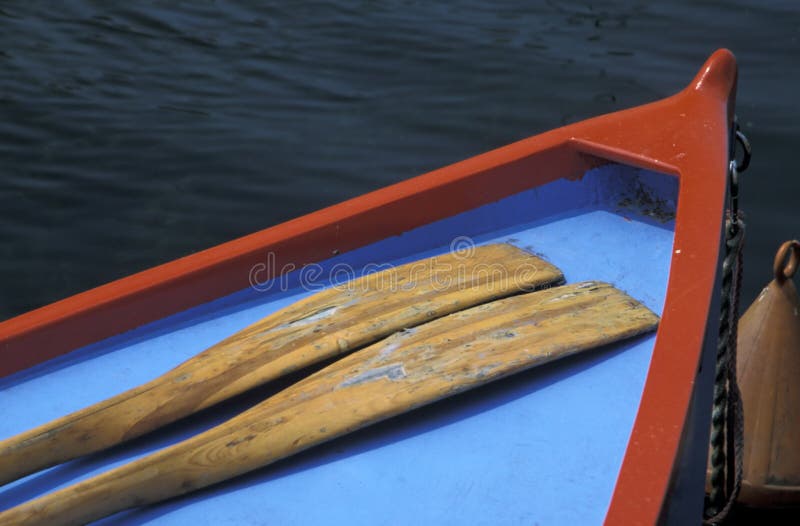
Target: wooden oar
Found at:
x=405, y=371
x=327, y=324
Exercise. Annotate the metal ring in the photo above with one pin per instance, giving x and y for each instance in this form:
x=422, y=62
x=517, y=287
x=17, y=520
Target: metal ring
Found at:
x=733, y=192
x=742, y=139
x=734, y=171
x=786, y=271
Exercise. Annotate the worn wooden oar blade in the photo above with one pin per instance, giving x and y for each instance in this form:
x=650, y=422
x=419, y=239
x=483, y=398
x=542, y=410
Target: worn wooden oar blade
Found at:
x=407, y=370
x=325, y=325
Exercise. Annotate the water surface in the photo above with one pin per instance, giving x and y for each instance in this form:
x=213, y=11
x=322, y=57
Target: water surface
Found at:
x=134, y=134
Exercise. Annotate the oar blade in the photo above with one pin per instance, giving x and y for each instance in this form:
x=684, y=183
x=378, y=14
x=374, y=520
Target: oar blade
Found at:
x=408, y=370
x=330, y=323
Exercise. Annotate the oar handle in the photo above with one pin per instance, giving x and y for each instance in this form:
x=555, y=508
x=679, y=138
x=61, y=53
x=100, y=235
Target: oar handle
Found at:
x=233, y=448
x=128, y=486
x=107, y=423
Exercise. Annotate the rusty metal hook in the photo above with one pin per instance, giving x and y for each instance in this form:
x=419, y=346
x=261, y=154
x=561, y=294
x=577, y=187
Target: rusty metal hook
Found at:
x=782, y=268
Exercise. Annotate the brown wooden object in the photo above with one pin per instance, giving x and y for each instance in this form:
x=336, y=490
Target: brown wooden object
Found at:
x=328, y=324
x=407, y=370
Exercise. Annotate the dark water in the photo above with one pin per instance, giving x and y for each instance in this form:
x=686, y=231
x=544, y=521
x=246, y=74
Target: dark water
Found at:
x=131, y=135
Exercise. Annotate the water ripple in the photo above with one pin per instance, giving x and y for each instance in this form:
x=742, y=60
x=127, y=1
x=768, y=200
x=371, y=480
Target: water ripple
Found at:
x=133, y=133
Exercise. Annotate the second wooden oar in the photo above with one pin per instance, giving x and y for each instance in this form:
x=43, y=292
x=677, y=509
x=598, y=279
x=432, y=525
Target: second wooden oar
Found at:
x=402, y=372
x=322, y=326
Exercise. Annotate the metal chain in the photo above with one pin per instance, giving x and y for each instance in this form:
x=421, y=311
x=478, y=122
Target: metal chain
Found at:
x=727, y=419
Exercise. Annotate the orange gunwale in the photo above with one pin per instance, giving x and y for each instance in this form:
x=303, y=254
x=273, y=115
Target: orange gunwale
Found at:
x=685, y=135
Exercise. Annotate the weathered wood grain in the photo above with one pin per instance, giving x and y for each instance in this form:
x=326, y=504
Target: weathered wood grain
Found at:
x=405, y=371
x=327, y=324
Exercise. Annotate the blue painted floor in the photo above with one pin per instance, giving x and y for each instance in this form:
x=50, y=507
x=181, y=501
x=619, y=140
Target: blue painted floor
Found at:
x=543, y=447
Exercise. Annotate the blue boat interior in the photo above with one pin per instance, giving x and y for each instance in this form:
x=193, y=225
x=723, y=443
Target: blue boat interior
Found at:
x=543, y=447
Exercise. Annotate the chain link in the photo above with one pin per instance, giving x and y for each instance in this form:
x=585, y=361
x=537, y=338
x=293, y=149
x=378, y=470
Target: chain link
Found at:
x=727, y=419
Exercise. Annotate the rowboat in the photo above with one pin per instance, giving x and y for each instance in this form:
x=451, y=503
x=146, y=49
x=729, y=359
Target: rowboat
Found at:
x=634, y=198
